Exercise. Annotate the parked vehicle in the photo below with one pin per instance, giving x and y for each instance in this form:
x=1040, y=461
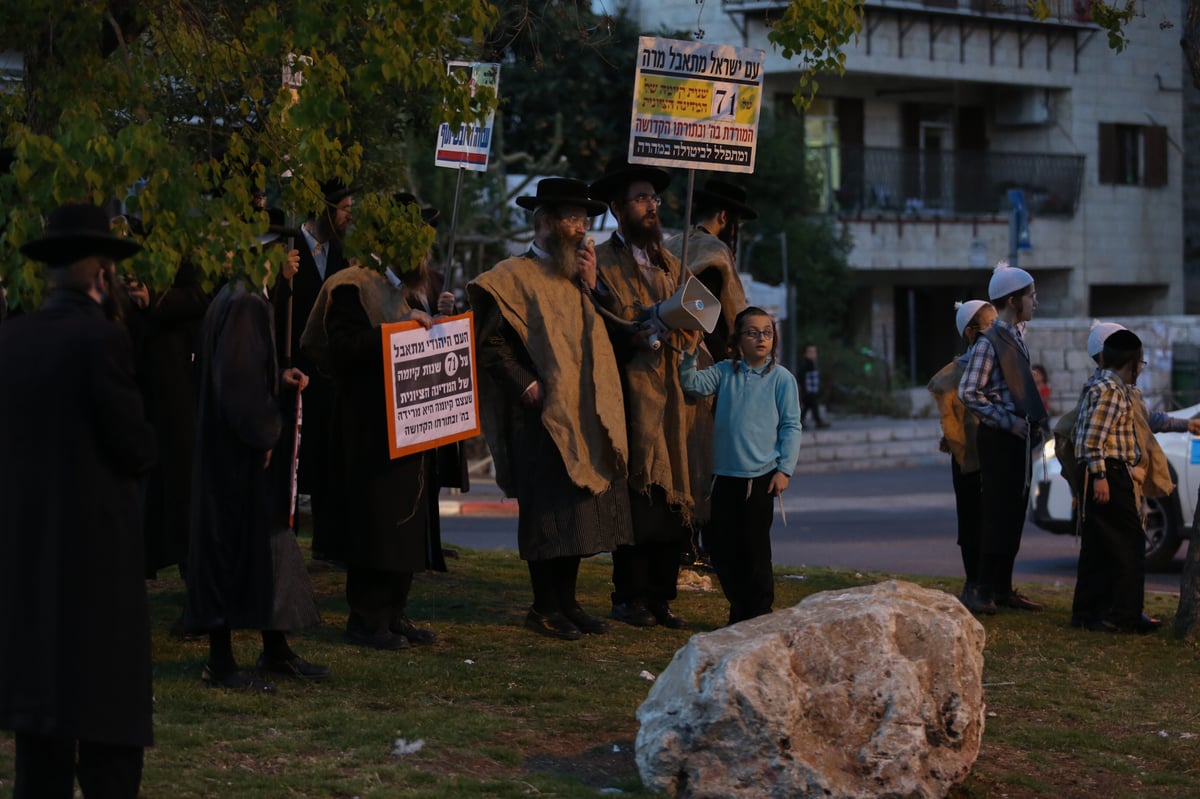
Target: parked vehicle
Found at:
x=1169, y=520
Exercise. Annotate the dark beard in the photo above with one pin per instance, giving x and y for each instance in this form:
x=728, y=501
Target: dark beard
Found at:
x=645, y=234
x=562, y=255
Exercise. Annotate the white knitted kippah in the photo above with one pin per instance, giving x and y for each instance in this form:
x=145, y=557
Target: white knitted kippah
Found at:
x=1100, y=332
x=965, y=311
x=1007, y=279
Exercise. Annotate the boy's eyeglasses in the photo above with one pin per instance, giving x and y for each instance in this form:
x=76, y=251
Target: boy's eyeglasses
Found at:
x=765, y=335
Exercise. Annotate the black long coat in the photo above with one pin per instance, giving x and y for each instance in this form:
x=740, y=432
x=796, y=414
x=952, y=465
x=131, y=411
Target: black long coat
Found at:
x=315, y=439
x=74, y=624
x=388, y=507
x=244, y=567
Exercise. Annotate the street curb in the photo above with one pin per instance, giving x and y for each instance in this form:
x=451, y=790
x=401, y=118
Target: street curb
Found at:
x=453, y=507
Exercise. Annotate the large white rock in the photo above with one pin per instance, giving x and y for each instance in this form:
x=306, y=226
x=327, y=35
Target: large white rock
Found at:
x=866, y=693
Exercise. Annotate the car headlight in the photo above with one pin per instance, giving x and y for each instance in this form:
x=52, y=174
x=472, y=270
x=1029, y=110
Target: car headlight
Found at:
x=1048, y=448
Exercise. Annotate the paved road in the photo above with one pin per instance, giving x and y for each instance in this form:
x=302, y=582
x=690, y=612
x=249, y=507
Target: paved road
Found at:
x=898, y=521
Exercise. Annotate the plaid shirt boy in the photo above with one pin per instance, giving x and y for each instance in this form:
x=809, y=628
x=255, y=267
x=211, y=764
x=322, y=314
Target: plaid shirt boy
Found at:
x=1105, y=426
x=983, y=388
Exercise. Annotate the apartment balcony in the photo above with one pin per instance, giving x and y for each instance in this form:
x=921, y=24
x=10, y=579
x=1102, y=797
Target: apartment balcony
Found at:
x=1061, y=11
x=886, y=181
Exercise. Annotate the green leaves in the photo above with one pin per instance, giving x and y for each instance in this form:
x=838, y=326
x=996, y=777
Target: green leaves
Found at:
x=186, y=120
x=816, y=31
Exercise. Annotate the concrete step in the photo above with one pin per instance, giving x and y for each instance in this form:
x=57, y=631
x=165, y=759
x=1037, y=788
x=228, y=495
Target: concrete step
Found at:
x=855, y=444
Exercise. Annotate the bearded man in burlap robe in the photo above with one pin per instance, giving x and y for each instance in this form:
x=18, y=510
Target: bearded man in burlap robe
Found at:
x=551, y=404
x=635, y=273
x=388, y=506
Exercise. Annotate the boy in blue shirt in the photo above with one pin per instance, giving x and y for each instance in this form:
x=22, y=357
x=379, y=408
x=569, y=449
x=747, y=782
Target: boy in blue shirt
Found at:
x=756, y=441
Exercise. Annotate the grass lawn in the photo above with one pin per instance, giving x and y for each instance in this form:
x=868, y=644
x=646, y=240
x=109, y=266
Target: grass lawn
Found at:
x=503, y=712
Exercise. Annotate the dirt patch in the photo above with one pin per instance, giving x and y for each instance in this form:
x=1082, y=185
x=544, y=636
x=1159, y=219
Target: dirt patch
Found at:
x=598, y=767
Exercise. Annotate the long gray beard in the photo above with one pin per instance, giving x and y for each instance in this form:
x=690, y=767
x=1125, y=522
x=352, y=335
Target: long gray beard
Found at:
x=563, y=259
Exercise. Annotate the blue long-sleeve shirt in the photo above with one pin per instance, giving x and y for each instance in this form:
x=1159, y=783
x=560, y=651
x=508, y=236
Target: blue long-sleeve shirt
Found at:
x=757, y=424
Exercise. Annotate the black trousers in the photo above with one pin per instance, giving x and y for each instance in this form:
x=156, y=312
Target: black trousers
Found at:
x=738, y=539
x=377, y=599
x=968, y=504
x=47, y=767
x=1111, y=576
x=649, y=570
x=554, y=583
x=810, y=402
x=1004, y=497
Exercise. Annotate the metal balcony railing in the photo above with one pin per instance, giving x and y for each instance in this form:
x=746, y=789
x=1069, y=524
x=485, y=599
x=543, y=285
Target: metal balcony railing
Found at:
x=1064, y=11
x=881, y=179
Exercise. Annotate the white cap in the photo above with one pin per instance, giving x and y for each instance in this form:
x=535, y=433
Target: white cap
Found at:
x=1100, y=332
x=965, y=311
x=1007, y=279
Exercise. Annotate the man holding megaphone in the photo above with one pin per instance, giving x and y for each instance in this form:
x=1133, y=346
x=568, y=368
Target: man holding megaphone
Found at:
x=639, y=282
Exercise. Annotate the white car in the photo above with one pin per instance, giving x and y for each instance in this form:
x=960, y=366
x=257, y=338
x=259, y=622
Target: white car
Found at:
x=1168, y=519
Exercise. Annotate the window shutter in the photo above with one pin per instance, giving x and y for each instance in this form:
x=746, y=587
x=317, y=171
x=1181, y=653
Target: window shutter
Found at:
x=1108, y=152
x=1155, y=142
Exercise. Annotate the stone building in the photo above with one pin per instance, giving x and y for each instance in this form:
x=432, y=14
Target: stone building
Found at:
x=946, y=106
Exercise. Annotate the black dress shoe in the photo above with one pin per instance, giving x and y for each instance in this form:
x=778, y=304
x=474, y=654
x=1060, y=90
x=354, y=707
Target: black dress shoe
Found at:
x=667, y=617
x=1015, y=599
x=555, y=625
x=634, y=613
x=236, y=681
x=387, y=640
x=587, y=623
x=1143, y=626
x=294, y=666
x=1093, y=625
x=978, y=601
x=415, y=635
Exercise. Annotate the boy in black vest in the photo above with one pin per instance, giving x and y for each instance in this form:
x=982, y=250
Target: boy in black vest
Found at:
x=998, y=387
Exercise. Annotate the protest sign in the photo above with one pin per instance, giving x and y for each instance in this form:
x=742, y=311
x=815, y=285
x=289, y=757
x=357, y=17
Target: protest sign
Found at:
x=696, y=105
x=430, y=384
x=468, y=146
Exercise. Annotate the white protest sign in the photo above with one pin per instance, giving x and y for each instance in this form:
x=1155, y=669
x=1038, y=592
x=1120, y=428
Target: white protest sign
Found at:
x=429, y=376
x=696, y=105
x=468, y=146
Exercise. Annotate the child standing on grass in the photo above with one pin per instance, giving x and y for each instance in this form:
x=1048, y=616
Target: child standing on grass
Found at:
x=756, y=441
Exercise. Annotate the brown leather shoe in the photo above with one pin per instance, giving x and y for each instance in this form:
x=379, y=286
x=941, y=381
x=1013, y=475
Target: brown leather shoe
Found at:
x=415, y=635
x=554, y=625
x=667, y=617
x=587, y=623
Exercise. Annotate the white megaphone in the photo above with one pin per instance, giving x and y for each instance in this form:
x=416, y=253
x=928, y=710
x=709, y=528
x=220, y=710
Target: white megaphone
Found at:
x=692, y=307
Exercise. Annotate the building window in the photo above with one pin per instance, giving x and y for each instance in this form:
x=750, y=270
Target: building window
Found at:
x=1133, y=155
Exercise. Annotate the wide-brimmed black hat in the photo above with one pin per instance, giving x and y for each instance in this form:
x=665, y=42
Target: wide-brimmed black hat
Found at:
x=74, y=231
x=336, y=190
x=278, y=229
x=725, y=196
x=620, y=173
x=428, y=213
x=562, y=191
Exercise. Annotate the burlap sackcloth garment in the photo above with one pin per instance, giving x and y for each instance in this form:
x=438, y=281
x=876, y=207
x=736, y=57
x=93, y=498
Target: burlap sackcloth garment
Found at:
x=554, y=318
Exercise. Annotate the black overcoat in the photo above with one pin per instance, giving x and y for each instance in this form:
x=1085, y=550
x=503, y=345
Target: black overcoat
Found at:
x=388, y=506
x=315, y=439
x=74, y=624
x=244, y=568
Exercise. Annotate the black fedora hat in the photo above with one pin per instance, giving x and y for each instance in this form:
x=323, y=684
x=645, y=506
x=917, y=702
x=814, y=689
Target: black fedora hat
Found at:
x=336, y=190
x=278, y=228
x=725, y=196
x=74, y=231
x=620, y=173
x=428, y=213
x=562, y=191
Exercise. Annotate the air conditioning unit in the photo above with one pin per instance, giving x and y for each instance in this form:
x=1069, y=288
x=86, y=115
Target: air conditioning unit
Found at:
x=1023, y=108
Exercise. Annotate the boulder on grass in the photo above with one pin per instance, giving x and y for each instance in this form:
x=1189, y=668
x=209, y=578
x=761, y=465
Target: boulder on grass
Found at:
x=859, y=694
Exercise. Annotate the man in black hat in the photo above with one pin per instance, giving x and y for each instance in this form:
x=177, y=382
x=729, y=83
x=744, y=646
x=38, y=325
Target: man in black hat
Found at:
x=550, y=403
x=322, y=255
x=244, y=566
x=637, y=272
x=718, y=209
x=74, y=624
x=388, y=507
